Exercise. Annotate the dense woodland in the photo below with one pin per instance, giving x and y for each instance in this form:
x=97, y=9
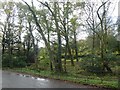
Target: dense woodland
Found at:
x=25, y=26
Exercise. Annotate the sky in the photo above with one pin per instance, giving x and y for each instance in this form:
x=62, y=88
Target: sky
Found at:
x=113, y=2
x=82, y=35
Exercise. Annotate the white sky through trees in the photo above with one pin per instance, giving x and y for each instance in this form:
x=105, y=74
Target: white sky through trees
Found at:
x=81, y=35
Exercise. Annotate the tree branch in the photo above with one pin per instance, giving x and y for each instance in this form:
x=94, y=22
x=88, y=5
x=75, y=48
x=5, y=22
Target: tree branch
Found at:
x=99, y=9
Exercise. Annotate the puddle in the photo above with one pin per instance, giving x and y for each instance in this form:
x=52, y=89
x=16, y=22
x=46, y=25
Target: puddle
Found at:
x=40, y=79
x=36, y=78
x=20, y=75
x=23, y=75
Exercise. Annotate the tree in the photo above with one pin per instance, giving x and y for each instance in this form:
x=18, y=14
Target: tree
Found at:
x=91, y=23
x=74, y=27
x=58, y=67
x=118, y=30
x=8, y=30
x=103, y=41
x=65, y=23
x=54, y=14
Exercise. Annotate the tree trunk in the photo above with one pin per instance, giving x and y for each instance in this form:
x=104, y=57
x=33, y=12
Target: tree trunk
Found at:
x=66, y=36
x=93, y=48
x=76, y=49
x=59, y=62
x=68, y=46
x=106, y=67
x=103, y=40
x=65, y=58
x=33, y=43
x=3, y=45
x=48, y=38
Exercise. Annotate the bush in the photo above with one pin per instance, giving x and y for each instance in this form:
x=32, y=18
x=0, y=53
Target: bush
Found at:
x=91, y=65
x=13, y=61
x=19, y=61
x=6, y=60
x=110, y=57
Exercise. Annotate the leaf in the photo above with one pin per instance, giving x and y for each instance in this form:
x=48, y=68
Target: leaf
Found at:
x=73, y=20
x=7, y=11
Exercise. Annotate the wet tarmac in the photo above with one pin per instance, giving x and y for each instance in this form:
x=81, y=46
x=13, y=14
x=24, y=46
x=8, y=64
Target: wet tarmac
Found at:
x=15, y=80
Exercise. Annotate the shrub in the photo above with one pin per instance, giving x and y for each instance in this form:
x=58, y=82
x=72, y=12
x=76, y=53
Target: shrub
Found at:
x=19, y=61
x=6, y=61
x=91, y=65
x=13, y=61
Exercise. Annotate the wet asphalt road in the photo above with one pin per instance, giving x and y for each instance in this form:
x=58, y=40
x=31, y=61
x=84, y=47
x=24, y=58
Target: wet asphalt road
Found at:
x=15, y=80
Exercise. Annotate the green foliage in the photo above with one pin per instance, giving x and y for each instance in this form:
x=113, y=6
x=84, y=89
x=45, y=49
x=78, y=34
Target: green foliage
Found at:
x=19, y=61
x=6, y=62
x=42, y=62
x=110, y=57
x=91, y=64
x=43, y=55
x=13, y=61
x=112, y=43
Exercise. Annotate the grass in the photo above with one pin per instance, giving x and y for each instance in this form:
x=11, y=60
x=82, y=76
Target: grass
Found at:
x=108, y=81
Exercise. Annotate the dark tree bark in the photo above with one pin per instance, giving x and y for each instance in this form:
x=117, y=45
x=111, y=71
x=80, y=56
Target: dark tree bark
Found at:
x=65, y=59
x=33, y=42
x=3, y=44
x=76, y=48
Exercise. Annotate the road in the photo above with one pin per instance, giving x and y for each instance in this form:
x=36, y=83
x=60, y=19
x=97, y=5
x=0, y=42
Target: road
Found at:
x=15, y=80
